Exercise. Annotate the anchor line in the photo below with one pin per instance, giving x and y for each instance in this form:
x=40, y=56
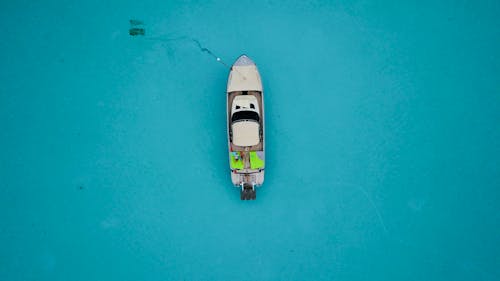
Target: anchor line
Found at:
x=200, y=47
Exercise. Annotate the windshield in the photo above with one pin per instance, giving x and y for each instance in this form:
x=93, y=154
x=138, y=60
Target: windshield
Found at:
x=245, y=115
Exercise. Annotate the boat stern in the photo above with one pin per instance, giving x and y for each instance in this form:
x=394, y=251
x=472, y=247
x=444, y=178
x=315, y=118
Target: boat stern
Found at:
x=248, y=182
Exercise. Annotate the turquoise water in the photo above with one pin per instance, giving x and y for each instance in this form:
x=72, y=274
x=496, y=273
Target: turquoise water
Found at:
x=382, y=141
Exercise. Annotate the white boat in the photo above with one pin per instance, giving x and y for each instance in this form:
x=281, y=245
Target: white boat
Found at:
x=245, y=127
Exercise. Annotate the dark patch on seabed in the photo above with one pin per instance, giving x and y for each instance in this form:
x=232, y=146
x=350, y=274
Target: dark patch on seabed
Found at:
x=137, y=31
x=136, y=28
x=134, y=22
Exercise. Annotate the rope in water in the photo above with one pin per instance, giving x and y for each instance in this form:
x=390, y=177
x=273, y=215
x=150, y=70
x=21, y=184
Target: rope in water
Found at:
x=200, y=47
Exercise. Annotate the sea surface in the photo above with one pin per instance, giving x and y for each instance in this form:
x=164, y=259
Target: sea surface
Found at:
x=383, y=151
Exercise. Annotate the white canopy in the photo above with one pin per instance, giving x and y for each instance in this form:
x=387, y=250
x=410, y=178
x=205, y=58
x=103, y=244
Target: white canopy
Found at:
x=246, y=133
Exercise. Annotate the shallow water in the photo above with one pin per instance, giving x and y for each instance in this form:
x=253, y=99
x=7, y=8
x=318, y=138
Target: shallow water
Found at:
x=382, y=141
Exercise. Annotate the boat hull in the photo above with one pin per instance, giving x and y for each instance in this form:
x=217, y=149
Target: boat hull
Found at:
x=247, y=163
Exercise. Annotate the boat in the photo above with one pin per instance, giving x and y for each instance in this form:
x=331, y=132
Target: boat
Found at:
x=245, y=127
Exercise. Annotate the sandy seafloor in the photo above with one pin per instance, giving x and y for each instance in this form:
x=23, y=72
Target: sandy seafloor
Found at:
x=382, y=141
